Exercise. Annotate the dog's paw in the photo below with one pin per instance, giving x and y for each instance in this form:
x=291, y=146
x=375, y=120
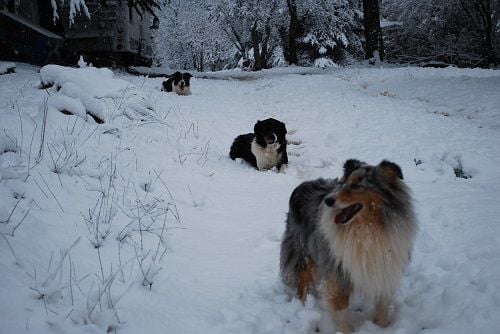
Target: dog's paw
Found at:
x=381, y=322
x=344, y=329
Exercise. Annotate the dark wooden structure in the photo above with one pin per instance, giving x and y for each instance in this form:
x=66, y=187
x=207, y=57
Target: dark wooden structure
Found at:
x=114, y=34
x=21, y=40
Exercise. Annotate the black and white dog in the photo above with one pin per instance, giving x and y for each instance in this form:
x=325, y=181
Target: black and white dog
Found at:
x=265, y=148
x=178, y=83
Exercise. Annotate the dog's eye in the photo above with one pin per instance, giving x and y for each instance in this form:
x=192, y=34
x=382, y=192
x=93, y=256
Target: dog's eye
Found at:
x=355, y=186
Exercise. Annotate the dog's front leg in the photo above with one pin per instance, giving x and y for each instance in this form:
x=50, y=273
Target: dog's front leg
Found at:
x=382, y=311
x=338, y=293
x=283, y=164
x=306, y=279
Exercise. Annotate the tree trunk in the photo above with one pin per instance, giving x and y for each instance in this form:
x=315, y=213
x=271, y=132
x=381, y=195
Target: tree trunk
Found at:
x=373, y=32
x=480, y=13
x=489, y=50
x=266, y=53
x=257, y=66
x=293, y=29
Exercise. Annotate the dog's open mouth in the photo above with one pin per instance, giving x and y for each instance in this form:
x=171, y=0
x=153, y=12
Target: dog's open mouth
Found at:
x=346, y=214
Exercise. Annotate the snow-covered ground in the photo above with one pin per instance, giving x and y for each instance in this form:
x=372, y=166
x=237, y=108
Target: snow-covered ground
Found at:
x=143, y=224
x=7, y=67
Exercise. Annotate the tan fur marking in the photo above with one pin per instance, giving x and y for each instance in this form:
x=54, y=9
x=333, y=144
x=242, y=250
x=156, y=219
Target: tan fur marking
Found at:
x=337, y=296
x=390, y=174
x=373, y=255
x=306, y=279
x=382, y=312
x=372, y=203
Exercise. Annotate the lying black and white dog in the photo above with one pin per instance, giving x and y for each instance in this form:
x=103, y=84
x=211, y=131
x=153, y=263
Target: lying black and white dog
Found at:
x=263, y=149
x=178, y=83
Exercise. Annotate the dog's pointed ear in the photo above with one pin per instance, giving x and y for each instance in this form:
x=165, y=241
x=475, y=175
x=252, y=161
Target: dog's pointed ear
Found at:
x=389, y=171
x=350, y=166
x=175, y=74
x=257, y=126
x=188, y=75
x=283, y=128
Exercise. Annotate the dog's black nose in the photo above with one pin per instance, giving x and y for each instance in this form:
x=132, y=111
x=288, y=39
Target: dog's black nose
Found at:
x=330, y=201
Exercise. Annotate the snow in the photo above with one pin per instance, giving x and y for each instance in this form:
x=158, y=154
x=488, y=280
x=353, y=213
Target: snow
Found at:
x=84, y=91
x=98, y=82
x=6, y=67
x=155, y=177
x=387, y=23
x=75, y=7
x=82, y=63
x=324, y=62
x=65, y=103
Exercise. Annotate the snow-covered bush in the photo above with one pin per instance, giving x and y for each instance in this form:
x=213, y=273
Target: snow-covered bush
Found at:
x=7, y=67
x=324, y=63
x=83, y=92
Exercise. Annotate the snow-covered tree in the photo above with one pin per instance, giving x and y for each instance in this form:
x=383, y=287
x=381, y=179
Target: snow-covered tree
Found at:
x=203, y=34
x=76, y=6
x=482, y=15
x=450, y=31
x=190, y=37
x=252, y=27
x=322, y=28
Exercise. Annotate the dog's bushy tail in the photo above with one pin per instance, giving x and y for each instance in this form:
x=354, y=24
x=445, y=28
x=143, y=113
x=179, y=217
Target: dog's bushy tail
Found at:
x=293, y=255
x=233, y=153
x=301, y=223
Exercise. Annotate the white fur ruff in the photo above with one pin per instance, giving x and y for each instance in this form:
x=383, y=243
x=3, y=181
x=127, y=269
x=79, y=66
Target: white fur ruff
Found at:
x=267, y=157
x=374, y=256
x=179, y=91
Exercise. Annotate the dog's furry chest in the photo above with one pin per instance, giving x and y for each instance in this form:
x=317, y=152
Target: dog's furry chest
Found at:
x=266, y=157
x=373, y=256
x=179, y=91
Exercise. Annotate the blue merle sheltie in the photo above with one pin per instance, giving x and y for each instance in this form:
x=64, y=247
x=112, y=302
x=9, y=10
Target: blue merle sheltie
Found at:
x=265, y=148
x=350, y=234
